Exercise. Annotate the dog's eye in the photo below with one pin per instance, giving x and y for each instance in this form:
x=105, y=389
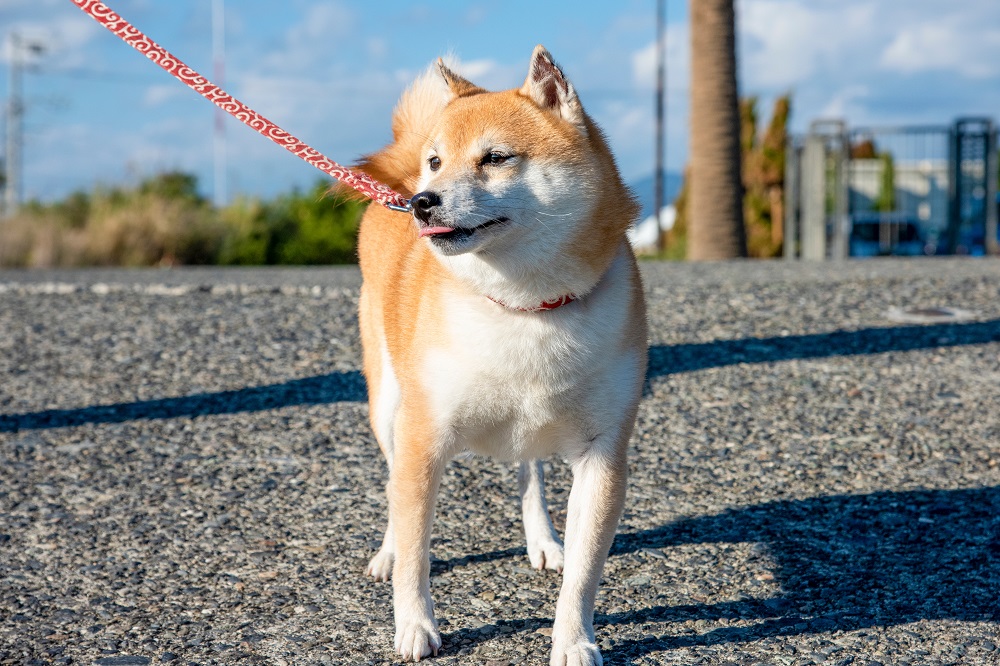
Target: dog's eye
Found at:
x=494, y=158
x=434, y=163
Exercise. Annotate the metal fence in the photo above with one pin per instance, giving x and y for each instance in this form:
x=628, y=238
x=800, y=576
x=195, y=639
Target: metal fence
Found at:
x=917, y=190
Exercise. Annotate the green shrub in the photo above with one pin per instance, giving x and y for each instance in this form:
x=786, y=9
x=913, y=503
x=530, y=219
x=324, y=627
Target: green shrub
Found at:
x=165, y=221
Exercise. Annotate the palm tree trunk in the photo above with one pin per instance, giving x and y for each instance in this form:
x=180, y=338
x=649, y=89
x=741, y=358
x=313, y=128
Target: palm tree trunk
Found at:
x=716, y=215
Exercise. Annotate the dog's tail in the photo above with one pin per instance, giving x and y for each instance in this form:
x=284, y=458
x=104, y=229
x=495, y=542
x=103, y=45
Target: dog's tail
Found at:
x=398, y=164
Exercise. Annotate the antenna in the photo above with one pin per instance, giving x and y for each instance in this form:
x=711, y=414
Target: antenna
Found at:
x=219, y=194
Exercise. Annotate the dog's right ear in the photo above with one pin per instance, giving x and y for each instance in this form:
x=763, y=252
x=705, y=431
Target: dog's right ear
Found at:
x=551, y=90
x=459, y=87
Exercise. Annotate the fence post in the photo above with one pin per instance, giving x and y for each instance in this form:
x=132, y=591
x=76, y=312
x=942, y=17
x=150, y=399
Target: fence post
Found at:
x=793, y=176
x=992, y=173
x=813, y=197
x=840, y=229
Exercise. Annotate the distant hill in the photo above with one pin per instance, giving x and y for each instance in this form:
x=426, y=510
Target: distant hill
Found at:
x=644, y=190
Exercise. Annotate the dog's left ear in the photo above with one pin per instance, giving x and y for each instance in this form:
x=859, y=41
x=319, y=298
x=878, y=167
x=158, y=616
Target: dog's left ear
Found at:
x=549, y=88
x=458, y=86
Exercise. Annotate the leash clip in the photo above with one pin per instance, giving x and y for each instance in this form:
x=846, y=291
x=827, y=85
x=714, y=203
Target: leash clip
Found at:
x=407, y=208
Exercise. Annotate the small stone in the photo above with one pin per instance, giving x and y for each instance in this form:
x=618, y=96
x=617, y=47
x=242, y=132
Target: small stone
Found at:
x=123, y=660
x=638, y=581
x=544, y=631
x=168, y=656
x=267, y=575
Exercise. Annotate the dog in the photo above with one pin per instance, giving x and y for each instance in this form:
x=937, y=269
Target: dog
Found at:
x=505, y=317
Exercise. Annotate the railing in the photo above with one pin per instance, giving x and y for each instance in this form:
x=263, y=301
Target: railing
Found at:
x=892, y=190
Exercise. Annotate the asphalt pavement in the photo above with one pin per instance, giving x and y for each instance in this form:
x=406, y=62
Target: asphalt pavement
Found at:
x=187, y=476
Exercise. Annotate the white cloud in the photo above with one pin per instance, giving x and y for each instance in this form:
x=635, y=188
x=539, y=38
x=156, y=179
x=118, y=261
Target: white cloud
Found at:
x=847, y=103
x=492, y=75
x=784, y=43
x=311, y=42
x=678, y=62
x=945, y=45
x=872, y=61
x=61, y=38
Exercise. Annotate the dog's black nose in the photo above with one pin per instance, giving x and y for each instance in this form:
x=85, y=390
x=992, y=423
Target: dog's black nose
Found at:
x=423, y=203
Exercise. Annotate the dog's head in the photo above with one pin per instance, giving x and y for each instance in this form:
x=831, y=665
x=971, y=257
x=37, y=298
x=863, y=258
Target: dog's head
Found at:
x=519, y=176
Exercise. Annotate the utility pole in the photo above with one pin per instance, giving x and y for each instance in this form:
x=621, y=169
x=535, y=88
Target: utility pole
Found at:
x=13, y=161
x=15, y=111
x=219, y=194
x=661, y=84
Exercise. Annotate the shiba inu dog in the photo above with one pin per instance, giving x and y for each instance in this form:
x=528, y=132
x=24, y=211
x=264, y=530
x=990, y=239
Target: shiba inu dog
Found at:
x=505, y=317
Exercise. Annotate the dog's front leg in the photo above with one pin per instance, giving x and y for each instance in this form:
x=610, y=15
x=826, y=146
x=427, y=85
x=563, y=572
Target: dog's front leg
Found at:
x=595, y=506
x=413, y=486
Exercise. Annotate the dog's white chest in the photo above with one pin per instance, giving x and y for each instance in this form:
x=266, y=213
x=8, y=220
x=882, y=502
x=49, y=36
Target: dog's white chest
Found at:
x=514, y=385
x=504, y=384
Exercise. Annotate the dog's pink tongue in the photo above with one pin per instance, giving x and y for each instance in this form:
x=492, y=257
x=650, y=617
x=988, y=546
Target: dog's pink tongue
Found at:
x=434, y=231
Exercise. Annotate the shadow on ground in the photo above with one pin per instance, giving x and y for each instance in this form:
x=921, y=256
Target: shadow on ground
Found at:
x=843, y=562
x=663, y=360
x=672, y=359
x=321, y=389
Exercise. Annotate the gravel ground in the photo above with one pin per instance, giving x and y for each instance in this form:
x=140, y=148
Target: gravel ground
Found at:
x=187, y=476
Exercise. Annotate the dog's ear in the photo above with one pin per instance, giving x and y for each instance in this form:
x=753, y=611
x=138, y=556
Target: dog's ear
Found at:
x=549, y=88
x=459, y=87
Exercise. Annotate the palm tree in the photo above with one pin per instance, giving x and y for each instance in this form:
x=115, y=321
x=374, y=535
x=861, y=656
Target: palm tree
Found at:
x=716, y=214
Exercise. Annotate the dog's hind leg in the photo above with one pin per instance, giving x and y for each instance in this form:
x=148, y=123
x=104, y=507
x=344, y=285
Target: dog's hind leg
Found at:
x=380, y=566
x=545, y=551
x=384, y=400
x=595, y=506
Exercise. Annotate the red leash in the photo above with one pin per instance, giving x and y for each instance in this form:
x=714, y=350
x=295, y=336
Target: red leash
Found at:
x=361, y=182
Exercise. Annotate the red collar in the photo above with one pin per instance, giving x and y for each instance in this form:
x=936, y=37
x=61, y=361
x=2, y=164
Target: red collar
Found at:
x=545, y=305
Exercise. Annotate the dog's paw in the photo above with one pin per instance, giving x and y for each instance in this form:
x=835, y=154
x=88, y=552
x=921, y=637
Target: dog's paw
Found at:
x=380, y=566
x=418, y=639
x=581, y=653
x=547, y=554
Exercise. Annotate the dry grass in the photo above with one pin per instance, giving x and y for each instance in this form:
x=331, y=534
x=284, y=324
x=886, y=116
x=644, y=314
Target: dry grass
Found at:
x=164, y=222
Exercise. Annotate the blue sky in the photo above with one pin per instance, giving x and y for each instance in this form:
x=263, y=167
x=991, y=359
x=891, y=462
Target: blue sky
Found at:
x=330, y=71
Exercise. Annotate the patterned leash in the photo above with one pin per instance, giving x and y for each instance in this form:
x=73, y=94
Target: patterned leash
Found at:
x=361, y=182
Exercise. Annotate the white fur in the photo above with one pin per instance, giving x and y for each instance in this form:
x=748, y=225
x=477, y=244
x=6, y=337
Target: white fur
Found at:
x=380, y=566
x=520, y=386
x=545, y=550
x=388, y=401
